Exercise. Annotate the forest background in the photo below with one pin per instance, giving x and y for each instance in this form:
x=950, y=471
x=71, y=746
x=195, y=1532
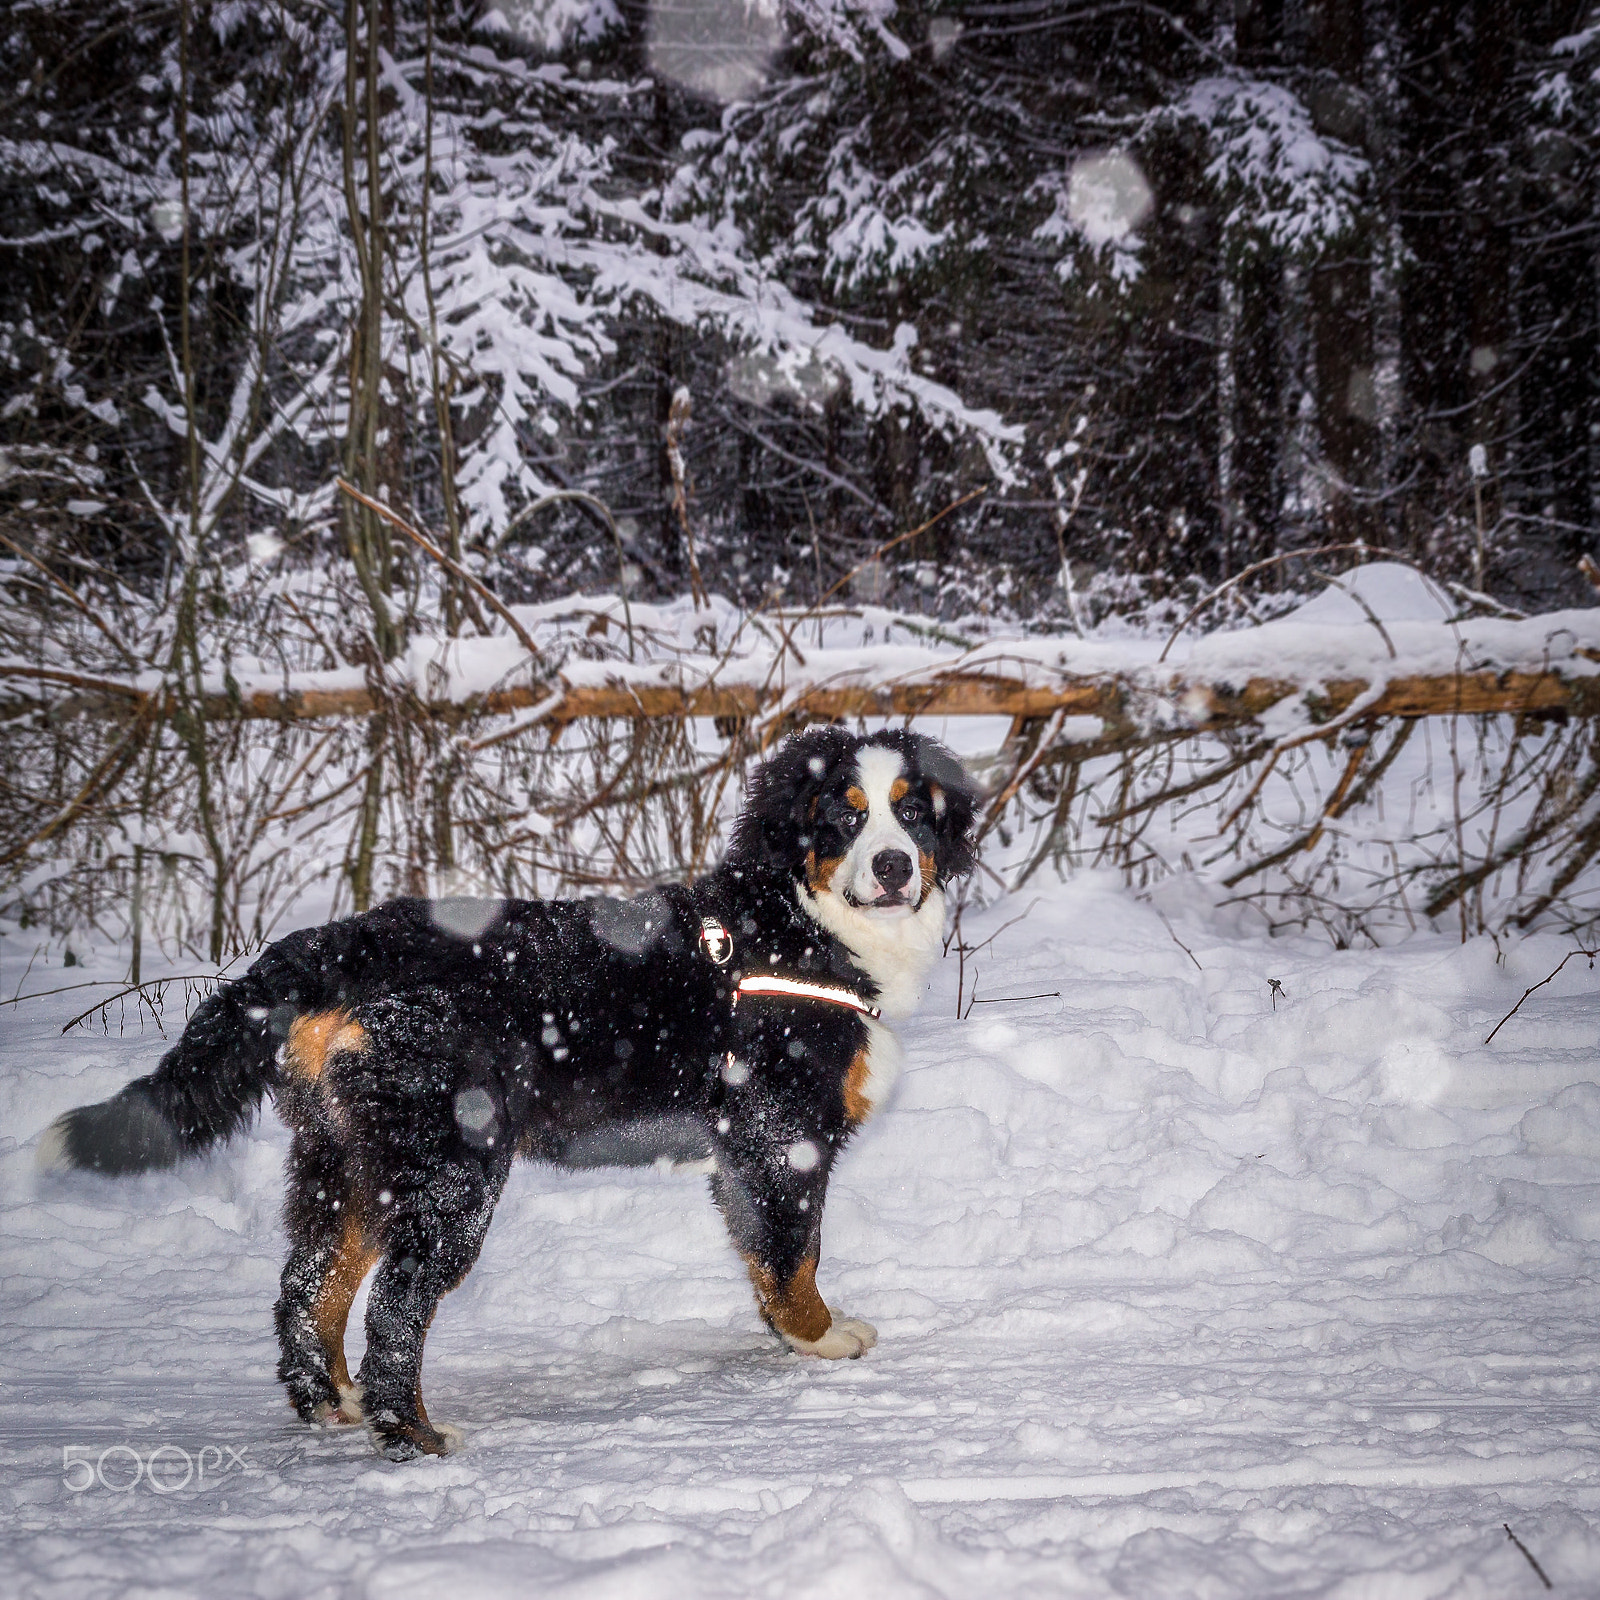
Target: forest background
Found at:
x=1111, y=300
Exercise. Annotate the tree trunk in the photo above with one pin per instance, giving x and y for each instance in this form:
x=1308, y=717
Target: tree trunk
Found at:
x=366, y=538
x=1344, y=388
x=1489, y=203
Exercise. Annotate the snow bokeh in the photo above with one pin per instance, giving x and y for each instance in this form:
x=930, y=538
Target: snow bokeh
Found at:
x=1108, y=197
x=465, y=917
x=717, y=48
x=1180, y=1290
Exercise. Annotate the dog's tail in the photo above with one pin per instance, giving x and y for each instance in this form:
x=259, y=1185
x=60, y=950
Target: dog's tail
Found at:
x=209, y=1084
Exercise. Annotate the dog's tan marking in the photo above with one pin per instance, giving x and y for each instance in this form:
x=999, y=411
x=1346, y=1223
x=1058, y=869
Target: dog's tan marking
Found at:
x=795, y=1309
x=313, y=1038
x=930, y=870
x=857, y=1107
x=433, y=1438
x=819, y=874
x=857, y=797
x=898, y=790
x=330, y=1310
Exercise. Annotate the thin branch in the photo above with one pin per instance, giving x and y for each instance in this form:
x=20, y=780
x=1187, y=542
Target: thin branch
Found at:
x=594, y=503
x=1262, y=566
x=1538, y=1570
x=431, y=549
x=1182, y=791
x=1180, y=944
x=136, y=988
x=1539, y=985
x=1360, y=707
x=1372, y=616
x=1007, y=999
x=76, y=599
x=97, y=983
x=104, y=775
x=1308, y=840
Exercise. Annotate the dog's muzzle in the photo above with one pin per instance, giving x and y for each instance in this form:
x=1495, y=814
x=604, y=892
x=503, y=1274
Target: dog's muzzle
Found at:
x=892, y=871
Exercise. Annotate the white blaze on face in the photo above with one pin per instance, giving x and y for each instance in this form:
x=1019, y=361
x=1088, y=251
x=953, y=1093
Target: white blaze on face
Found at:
x=878, y=770
x=895, y=946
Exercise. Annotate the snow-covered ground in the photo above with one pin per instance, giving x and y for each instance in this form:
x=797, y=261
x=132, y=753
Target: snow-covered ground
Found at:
x=1183, y=1289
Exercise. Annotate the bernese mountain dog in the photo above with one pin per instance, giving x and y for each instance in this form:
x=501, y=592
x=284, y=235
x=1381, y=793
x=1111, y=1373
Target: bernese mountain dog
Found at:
x=417, y=1049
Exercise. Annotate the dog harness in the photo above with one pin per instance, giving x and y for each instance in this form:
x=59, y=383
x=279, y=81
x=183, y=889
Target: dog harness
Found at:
x=717, y=943
x=771, y=983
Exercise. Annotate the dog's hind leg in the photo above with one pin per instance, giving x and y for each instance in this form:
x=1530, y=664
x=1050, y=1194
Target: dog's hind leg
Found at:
x=430, y=1241
x=331, y=1252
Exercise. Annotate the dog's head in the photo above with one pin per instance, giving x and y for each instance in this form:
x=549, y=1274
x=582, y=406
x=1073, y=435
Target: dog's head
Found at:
x=874, y=825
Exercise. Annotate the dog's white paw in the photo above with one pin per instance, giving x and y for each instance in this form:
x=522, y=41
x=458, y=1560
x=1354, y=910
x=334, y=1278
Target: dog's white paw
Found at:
x=846, y=1340
x=348, y=1410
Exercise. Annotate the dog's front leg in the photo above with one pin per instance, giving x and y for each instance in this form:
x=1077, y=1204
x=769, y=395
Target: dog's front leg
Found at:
x=774, y=1213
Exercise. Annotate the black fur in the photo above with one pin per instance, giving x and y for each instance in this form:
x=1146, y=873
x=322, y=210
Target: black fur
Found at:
x=793, y=800
x=579, y=1032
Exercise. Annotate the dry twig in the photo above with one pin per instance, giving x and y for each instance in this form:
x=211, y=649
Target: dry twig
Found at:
x=1533, y=988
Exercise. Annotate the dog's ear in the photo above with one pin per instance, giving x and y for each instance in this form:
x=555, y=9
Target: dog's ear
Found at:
x=955, y=799
x=775, y=822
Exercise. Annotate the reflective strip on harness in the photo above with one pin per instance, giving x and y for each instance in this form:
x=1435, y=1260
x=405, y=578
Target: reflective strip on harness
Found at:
x=797, y=989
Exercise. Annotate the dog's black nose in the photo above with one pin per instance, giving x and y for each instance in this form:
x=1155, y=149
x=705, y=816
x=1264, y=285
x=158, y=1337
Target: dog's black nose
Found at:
x=892, y=868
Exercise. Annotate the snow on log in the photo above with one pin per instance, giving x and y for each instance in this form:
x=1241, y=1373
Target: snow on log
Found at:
x=1129, y=705
x=1321, y=665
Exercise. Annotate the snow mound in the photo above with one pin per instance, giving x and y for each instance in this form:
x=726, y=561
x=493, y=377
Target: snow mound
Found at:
x=1182, y=1287
x=1392, y=593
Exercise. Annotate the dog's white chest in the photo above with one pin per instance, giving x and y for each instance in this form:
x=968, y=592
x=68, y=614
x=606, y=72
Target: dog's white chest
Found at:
x=895, y=953
x=873, y=1073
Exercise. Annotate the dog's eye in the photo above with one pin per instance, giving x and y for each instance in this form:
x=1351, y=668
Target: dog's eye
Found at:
x=909, y=811
x=851, y=819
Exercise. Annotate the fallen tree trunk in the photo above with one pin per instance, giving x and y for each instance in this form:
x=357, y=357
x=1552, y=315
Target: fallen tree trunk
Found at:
x=446, y=754
x=1127, y=704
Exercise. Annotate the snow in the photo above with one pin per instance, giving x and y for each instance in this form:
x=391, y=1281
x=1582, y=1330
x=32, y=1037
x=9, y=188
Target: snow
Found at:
x=1280, y=181
x=1330, y=637
x=1182, y=1288
x=1382, y=589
